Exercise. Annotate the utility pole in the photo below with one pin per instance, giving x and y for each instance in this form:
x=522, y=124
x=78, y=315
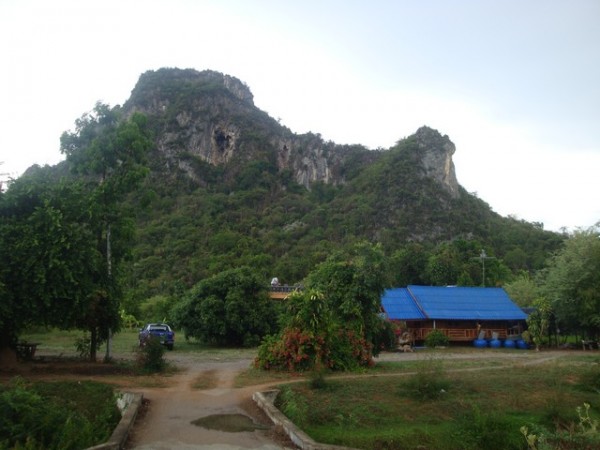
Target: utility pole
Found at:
x=482, y=257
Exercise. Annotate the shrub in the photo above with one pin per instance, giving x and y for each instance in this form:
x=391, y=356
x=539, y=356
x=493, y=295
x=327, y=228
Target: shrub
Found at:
x=150, y=356
x=586, y=434
x=293, y=405
x=347, y=351
x=436, y=338
x=83, y=345
x=385, y=338
x=477, y=429
x=296, y=351
x=42, y=416
x=429, y=383
x=293, y=350
x=231, y=308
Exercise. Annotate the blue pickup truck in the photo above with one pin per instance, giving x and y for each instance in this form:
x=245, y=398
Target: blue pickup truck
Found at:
x=160, y=331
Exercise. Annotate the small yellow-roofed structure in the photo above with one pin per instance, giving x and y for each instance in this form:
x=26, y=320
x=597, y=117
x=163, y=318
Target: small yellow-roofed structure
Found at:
x=282, y=292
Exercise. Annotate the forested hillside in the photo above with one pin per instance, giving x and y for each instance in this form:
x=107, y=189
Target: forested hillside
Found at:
x=229, y=186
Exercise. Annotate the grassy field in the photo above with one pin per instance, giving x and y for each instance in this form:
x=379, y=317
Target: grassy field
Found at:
x=449, y=405
x=124, y=344
x=457, y=398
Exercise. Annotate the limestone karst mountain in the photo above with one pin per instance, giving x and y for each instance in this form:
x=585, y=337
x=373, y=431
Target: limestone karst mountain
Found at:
x=210, y=117
x=231, y=186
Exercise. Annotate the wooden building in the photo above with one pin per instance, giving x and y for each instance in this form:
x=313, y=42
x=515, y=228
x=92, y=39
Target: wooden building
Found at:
x=461, y=313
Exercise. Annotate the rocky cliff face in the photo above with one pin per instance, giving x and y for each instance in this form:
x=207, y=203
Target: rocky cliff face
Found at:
x=436, y=157
x=211, y=117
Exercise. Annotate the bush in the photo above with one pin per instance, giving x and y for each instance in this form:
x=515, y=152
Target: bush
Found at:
x=347, y=351
x=436, y=339
x=477, y=429
x=150, y=356
x=231, y=308
x=586, y=434
x=83, y=345
x=43, y=416
x=385, y=338
x=293, y=350
x=297, y=351
x=293, y=405
x=429, y=383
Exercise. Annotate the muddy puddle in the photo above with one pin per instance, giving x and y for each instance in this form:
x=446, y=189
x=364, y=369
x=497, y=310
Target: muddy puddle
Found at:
x=233, y=423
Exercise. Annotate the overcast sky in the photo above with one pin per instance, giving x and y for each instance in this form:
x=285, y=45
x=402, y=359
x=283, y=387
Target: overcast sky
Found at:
x=515, y=84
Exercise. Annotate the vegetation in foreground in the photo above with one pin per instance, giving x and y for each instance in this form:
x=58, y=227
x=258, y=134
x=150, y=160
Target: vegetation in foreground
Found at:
x=56, y=415
x=334, y=323
x=434, y=408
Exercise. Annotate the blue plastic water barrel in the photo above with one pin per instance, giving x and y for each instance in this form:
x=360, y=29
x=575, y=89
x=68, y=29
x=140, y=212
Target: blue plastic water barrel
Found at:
x=509, y=343
x=522, y=344
x=480, y=343
x=495, y=343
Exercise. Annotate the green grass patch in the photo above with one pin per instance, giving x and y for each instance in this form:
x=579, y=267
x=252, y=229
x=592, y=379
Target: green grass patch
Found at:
x=56, y=415
x=125, y=344
x=254, y=377
x=436, y=406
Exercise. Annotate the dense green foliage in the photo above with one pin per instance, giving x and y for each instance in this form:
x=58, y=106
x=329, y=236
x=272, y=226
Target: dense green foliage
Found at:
x=108, y=153
x=436, y=338
x=523, y=290
x=150, y=356
x=198, y=221
x=571, y=284
x=188, y=220
x=187, y=233
x=63, y=238
x=231, y=308
x=51, y=266
x=334, y=323
x=58, y=415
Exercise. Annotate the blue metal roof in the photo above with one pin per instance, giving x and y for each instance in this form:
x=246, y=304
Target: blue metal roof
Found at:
x=399, y=305
x=456, y=303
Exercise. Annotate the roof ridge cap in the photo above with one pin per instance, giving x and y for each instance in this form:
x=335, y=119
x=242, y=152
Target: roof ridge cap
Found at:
x=414, y=298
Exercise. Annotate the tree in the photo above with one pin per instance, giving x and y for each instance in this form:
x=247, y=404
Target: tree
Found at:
x=572, y=283
x=408, y=264
x=230, y=308
x=335, y=321
x=109, y=153
x=444, y=266
x=538, y=321
x=353, y=281
x=524, y=291
x=50, y=264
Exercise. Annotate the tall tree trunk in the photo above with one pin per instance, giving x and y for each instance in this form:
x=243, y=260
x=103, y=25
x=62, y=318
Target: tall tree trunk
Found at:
x=107, y=356
x=93, y=343
x=8, y=355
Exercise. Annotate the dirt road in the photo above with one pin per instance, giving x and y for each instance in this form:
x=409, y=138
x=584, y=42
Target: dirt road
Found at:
x=167, y=423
